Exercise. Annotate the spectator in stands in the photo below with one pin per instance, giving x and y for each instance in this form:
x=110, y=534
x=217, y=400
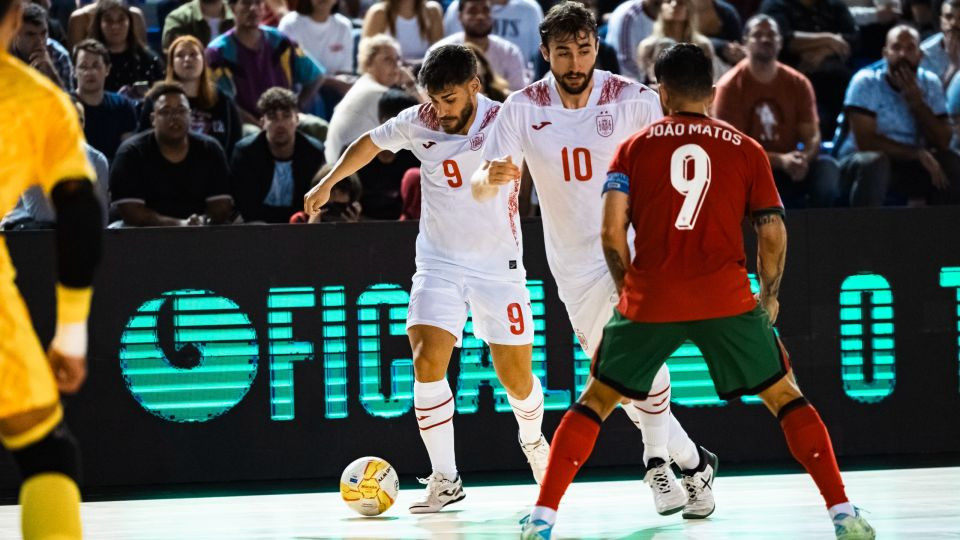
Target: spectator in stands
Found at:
x=677, y=21
x=250, y=59
x=344, y=204
x=874, y=18
x=504, y=57
x=899, y=133
x=606, y=54
x=630, y=23
x=80, y=26
x=34, y=46
x=54, y=28
x=34, y=210
x=271, y=171
x=818, y=36
x=415, y=24
x=131, y=62
x=212, y=112
x=325, y=36
x=379, y=62
x=720, y=22
x=410, y=195
x=494, y=86
x=202, y=19
x=273, y=11
x=775, y=104
x=110, y=117
x=516, y=21
x=381, y=177
x=941, y=52
x=168, y=176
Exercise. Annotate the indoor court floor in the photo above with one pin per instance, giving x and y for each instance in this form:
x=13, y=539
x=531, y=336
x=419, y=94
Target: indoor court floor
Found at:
x=915, y=504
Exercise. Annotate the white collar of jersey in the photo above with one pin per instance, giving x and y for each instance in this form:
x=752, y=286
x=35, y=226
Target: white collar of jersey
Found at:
x=483, y=105
x=599, y=77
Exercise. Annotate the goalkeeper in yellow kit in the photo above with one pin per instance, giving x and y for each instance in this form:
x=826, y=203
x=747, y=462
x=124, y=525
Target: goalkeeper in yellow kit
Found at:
x=41, y=144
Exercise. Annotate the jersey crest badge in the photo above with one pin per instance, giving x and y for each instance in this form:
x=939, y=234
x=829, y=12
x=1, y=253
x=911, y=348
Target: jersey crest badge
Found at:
x=476, y=141
x=604, y=124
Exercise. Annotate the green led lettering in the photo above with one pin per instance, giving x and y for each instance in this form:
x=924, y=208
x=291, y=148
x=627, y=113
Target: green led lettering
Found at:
x=867, y=359
x=371, y=303
x=950, y=278
x=334, y=300
x=283, y=350
x=209, y=335
x=553, y=400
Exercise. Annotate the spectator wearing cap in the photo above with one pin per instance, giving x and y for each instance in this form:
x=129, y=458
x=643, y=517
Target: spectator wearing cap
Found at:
x=271, y=171
x=168, y=176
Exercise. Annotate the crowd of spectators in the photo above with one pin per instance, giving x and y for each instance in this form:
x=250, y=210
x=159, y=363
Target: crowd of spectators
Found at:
x=224, y=111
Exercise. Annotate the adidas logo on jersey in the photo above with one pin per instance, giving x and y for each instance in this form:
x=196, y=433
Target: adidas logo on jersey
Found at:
x=428, y=144
x=541, y=126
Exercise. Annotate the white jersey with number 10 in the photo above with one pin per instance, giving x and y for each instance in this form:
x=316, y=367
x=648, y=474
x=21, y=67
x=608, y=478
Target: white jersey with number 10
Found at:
x=456, y=232
x=568, y=152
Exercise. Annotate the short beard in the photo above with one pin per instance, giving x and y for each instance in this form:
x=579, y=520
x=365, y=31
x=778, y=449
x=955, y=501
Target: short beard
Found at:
x=576, y=91
x=462, y=121
x=477, y=35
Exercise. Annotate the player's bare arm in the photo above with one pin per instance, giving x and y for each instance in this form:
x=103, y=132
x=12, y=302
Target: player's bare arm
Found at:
x=358, y=154
x=488, y=178
x=79, y=230
x=616, y=249
x=771, y=259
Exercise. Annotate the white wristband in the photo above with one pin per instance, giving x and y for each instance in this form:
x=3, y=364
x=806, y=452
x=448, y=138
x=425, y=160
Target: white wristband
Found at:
x=70, y=339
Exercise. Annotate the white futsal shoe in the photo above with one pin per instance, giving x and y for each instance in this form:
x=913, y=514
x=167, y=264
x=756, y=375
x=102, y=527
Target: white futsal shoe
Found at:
x=699, y=486
x=439, y=493
x=537, y=455
x=853, y=527
x=668, y=496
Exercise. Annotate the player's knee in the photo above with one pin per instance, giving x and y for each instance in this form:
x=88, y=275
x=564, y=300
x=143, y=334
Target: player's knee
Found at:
x=781, y=393
x=57, y=452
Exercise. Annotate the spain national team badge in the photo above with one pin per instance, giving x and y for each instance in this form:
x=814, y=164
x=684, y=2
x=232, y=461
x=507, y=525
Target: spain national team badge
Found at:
x=580, y=337
x=476, y=141
x=605, y=125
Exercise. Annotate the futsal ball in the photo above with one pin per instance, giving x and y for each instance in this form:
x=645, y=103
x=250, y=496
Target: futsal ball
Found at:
x=369, y=486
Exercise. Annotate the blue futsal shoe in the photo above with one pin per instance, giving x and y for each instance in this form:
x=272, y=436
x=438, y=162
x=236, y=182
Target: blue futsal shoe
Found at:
x=849, y=527
x=535, y=529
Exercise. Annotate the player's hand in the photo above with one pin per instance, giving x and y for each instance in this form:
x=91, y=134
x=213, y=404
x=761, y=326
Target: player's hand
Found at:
x=68, y=356
x=937, y=177
x=502, y=171
x=771, y=305
x=314, y=200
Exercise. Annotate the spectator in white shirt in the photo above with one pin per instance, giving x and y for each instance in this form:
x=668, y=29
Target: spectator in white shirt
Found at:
x=326, y=37
x=630, y=24
x=416, y=24
x=517, y=21
x=504, y=57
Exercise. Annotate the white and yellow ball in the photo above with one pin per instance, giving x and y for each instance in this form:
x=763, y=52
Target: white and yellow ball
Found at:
x=369, y=486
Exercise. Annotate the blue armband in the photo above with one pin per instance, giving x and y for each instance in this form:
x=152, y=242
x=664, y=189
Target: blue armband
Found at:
x=617, y=181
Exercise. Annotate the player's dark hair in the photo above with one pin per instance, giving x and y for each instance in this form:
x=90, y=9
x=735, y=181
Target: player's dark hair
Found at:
x=567, y=20
x=164, y=88
x=35, y=15
x=277, y=99
x=685, y=70
x=465, y=2
x=91, y=46
x=446, y=66
x=392, y=102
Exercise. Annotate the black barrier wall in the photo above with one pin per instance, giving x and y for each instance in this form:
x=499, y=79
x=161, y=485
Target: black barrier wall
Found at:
x=262, y=353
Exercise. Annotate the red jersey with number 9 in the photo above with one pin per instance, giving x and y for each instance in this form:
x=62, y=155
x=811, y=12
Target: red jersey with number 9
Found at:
x=692, y=181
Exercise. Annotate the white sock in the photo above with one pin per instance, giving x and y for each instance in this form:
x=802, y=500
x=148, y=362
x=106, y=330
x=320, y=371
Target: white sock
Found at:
x=543, y=513
x=654, y=417
x=529, y=413
x=434, y=408
x=681, y=448
x=842, y=508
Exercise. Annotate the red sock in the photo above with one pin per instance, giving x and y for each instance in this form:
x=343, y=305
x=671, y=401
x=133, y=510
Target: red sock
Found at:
x=571, y=446
x=810, y=444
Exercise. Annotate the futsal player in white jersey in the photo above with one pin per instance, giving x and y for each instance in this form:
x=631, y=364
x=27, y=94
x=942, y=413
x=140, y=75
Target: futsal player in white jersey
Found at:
x=469, y=257
x=566, y=128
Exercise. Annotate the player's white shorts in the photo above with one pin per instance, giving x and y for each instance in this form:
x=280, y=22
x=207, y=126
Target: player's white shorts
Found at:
x=589, y=309
x=501, y=309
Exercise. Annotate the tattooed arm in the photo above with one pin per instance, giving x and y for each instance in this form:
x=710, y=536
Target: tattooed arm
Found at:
x=616, y=219
x=771, y=258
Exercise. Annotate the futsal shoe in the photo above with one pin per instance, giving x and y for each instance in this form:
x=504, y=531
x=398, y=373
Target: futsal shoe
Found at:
x=535, y=530
x=439, y=493
x=537, y=455
x=668, y=496
x=853, y=527
x=699, y=485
